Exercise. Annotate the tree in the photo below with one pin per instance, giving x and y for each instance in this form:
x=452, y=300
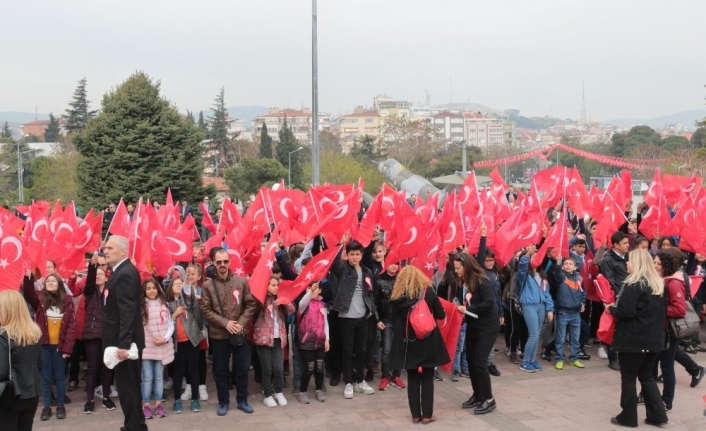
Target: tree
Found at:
x=405, y=140
x=6, y=132
x=330, y=141
x=265, y=143
x=8, y=165
x=247, y=178
x=219, y=132
x=79, y=113
x=698, y=139
x=203, y=127
x=53, y=132
x=337, y=168
x=138, y=146
x=190, y=117
x=288, y=143
x=364, y=150
x=55, y=176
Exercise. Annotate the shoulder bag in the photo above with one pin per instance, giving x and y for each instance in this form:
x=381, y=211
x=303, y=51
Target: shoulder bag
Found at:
x=421, y=319
x=235, y=340
x=686, y=327
x=7, y=391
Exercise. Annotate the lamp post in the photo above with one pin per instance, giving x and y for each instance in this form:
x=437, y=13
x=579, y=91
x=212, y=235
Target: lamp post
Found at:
x=290, y=165
x=314, y=95
x=20, y=174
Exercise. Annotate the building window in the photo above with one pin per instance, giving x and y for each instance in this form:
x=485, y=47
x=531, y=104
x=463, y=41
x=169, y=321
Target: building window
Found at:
x=369, y=120
x=438, y=121
x=481, y=130
x=457, y=121
x=457, y=130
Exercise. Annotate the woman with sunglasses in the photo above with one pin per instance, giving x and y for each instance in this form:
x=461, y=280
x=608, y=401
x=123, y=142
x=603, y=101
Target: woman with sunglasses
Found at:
x=476, y=295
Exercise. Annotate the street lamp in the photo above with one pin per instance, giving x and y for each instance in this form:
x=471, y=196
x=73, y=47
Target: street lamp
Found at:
x=290, y=165
x=460, y=142
x=20, y=174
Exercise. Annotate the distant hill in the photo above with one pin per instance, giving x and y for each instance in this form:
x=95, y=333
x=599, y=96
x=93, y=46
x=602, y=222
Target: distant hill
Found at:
x=686, y=118
x=21, y=117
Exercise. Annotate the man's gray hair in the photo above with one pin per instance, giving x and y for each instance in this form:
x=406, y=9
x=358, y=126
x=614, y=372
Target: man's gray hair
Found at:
x=120, y=242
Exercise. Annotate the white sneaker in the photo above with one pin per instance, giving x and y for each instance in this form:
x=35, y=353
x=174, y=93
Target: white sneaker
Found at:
x=168, y=384
x=602, y=353
x=186, y=396
x=99, y=391
x=203, y=394
x=113, y=392
x=507, y=352
x=364, y=388
x=281, y=400
x=269, y=402
x=348, y=392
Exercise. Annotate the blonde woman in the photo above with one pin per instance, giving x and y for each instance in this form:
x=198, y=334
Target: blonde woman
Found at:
x=417, y=356
x=639, y=338
x=20, y=335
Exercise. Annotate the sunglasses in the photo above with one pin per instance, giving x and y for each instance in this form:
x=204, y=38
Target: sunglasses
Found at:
x=222, y=262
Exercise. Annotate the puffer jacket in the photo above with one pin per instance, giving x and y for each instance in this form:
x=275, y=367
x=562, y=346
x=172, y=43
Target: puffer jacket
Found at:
x=264, y=330
x=156, y=327
x=570, y=295
x=67, y=334
x=238, y=304
x=674, y=291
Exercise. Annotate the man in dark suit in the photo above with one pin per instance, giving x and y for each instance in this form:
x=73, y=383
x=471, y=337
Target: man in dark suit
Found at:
x=122, y=326
x=185, y=209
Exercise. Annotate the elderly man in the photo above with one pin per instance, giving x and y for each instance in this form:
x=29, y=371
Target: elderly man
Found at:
x=228, y=305
x=122, y=326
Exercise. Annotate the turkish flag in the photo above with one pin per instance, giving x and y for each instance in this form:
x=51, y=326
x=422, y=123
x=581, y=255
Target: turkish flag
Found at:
x=550, y=182
x=427, y=256
x=610, y=221
x=263, y=270
x=284, y=204
x=236, y=258
x=120, y=224
x=687, y=217
x=160, y=259
x=596, y=196
x=428, y=211
x=230, y=217
x=387, y=208
x=11, y=221
x=657, y=219
x=655, y=190
x=498, y=181
x=314, y=271
x=450, y=329
x=468, y=197
x=455, y=235
x=12, y=259
x=179, y=243
x=522, y=229
x=556, y=238
x=35, y=235
x=589, y=272
x=369, y=221
x=339, y=220
x=411, y=237
x=676, y=188
x=25, y=209
x=257, y=219
x=207, y=221
x=577, y=196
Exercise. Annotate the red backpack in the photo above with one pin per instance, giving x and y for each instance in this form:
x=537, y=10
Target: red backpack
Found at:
x=421, y=319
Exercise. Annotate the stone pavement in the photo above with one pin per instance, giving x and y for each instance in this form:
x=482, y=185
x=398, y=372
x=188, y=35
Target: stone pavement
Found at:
x=571, y=399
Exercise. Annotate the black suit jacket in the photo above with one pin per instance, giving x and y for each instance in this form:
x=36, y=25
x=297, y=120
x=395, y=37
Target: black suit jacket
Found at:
x=122, y=309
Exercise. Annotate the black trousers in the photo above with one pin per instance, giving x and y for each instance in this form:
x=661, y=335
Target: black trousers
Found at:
x=313, y=365
x=370, y=344
x=128, y=381
x=19, y=416
x=420, y=392
x=639, y=366
x=518, y=331
x=77, y=355
x=334, y=356
x=477, y=351
x=354, y=333
x=186, y=358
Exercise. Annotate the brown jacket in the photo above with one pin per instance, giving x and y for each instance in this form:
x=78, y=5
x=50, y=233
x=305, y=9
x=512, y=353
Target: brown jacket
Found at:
x=238, y=304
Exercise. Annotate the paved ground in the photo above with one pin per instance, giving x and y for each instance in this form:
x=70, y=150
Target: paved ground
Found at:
x=571, y=399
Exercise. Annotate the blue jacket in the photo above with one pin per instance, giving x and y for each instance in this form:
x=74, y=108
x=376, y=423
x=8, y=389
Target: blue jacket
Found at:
x=531, y=293
x=570, y=294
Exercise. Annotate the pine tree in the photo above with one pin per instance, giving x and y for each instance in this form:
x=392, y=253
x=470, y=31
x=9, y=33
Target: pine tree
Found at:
x=219, y=131
x=202, y=125
x=6, y=131
x=138, y=146
x=288, y=143
x=265, y=143
x=78, y=114
x=53, y=132
x=190, y=117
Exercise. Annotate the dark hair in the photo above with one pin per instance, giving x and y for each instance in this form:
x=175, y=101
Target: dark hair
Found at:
x=617, y=237
x=169, y=294
x=305, y=261
x=571, y=259
x=580, y=241
x=214, y=250
x=637, y=240
x=52, y=262
x=295, y=252
x=275, y=268
x=354, y=245
x=55, y=299
x=473, y=273
x=668, y=239
x=676, y=254
x=160, y=296
x=669, y=261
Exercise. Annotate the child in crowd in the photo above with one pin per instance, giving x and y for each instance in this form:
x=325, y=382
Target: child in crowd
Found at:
x=270, y=339
x=159, y=349
x=313, y=337
x=569, y=302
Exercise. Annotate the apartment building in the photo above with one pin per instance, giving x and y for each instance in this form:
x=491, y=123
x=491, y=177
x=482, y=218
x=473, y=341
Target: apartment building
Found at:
x=356, y=125
x=299, y=120
x=448, y=125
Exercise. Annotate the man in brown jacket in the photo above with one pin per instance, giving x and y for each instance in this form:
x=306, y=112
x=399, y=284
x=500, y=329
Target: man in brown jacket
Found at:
x=227, y=305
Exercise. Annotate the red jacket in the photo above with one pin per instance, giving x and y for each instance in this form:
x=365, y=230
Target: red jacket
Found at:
x=67, y=334
x=676, y=302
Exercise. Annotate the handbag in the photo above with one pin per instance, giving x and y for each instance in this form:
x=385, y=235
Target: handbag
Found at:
x=235, y=340
x=7, y=390
x=684, y=327
x=421, y=319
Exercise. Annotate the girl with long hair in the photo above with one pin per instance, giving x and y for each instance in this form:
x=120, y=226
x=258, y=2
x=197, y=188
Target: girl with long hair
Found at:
x=476, y=295
x=639, y=311
x=417, y=356
x=21, y=337
x=54, y=313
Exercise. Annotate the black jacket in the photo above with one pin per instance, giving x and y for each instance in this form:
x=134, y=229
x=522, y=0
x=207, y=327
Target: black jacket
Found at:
x=26, y=366
x=615, y=269
x=413, y=353
x=484, y=304
x=347, y=280
x=122, y=310
x=640, y=320
x=382, y=291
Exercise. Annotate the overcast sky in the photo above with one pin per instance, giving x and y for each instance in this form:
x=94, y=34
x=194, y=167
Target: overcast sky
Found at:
x=638, y=58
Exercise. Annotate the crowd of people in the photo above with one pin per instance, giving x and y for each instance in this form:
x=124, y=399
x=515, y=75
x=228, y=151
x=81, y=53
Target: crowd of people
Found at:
x=348, y=325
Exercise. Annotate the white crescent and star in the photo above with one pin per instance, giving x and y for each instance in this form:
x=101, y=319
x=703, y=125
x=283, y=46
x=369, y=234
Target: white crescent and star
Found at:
x=182, y=246
x=14, y=241
x=412, y=237
x=35, y=228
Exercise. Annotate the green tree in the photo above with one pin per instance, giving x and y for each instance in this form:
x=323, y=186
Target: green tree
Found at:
x=138, y=146
x=330, y=141
x=53, y=132
x=407, y=140
x=219, y=132
x=250, y=174
x=364, y=150
x=288, y=143
x=265, y=143
x=6, y=132
x=190, y=117
x=698, y=139
x=337, y=168
x=203, y=127
x=55, y=176
x=8, y=165
x=79, y=112
x=672, y=143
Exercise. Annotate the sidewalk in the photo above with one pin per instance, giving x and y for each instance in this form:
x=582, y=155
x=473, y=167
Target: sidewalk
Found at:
x=571, y=399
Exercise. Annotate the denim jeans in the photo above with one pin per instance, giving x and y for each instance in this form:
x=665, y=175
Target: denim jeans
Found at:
x=272, y=362
x=53, y=367
x=386, y=352
x=571, y=321
x=152, y=373
x=460, y=360
x=221, y=357
x=534, y=317
x=666, y=363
